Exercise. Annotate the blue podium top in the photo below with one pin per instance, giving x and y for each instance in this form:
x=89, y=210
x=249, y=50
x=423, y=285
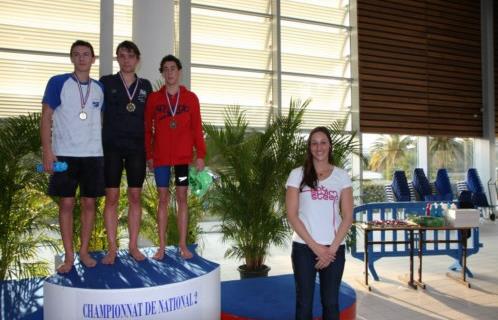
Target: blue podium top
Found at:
x=126, y=273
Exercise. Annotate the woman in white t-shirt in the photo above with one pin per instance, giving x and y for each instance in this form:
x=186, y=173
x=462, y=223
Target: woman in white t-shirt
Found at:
x=319, y=202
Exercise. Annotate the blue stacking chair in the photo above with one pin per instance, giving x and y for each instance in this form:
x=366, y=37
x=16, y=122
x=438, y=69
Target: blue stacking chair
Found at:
x=474, y=185
x=400, y=186
x=422, y=186
x=443, y=185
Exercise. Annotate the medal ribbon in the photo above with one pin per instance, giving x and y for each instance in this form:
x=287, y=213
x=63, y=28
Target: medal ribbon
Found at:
x=83, y=100
x=173, y=112
x=130, y=96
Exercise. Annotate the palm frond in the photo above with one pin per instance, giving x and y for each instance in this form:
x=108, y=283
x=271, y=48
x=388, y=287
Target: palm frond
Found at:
x=253, y=167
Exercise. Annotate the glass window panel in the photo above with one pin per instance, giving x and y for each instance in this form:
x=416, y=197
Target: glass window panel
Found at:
x=260, y=6
x=53, y=41
x=496, y=155
x=315, y=65
x=245, y=88
x=221, y=38
x=231, y=43
x=454, y=154
x=330, y=99
x=327, y=11
x=123, y=21
x=49, y=27
x=55, y=14
x=231, y=57
x=325, y=94
x=387, y=153
x=21, y=28
x=214, y=114
x=317, y=41
x=249, y=90
x=20, y=93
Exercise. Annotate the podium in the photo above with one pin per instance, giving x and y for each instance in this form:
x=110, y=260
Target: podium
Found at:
x=171, y=289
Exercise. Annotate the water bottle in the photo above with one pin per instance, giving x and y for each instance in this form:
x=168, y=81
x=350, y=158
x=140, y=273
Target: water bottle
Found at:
x=433, y=210
x=58, y=166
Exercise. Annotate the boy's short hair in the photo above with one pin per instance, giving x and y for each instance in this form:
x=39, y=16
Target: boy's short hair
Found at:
x=81, y=43
x=129, y=46
x=167, y=58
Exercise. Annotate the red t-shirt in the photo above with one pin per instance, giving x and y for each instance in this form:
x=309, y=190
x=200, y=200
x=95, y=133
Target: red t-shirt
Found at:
x=170, y=140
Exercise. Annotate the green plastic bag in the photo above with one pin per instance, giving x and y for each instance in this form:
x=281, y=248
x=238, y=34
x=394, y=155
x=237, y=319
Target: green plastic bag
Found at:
x=199, y=181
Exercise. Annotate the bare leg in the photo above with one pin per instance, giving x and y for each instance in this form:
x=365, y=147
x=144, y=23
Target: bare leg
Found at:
x=87, y=218
x=66, y=206
x=182, y=221
x=162, y=221
x=134, y=217
x=111, y=223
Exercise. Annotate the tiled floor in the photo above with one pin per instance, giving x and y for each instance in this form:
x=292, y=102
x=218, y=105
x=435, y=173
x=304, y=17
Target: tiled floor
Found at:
x=391, y=298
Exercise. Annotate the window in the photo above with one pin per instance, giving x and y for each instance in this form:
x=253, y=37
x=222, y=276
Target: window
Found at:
x=35, y=38
x=233, y=50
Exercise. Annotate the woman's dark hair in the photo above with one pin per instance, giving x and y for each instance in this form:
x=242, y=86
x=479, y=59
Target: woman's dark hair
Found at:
x=170, y=57
x=310, y=177
x=129, y=46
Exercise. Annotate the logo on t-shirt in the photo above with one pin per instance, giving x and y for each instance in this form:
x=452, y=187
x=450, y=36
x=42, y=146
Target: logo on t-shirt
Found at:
x=142, y=95
x=322, y=193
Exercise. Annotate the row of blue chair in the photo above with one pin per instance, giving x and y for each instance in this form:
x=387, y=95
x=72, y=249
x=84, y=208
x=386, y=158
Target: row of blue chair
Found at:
x=420, y=189
x=471, y=193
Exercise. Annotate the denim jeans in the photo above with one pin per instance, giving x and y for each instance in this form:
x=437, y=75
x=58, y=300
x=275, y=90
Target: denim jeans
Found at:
x=303, y=263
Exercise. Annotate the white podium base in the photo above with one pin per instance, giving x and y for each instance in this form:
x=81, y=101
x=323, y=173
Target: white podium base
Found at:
x=171, y=289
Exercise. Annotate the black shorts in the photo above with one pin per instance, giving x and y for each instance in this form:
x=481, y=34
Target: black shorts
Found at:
x=133, y=162
x=85, y=172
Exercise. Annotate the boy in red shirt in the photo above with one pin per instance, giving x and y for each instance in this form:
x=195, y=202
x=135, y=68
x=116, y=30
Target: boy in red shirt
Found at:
x=173, y=128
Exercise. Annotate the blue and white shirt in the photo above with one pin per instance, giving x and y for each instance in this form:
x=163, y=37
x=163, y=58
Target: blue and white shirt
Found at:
x=71, y=136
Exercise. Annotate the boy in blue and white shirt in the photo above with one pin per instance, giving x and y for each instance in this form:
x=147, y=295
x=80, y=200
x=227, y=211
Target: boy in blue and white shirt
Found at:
x=71, y=132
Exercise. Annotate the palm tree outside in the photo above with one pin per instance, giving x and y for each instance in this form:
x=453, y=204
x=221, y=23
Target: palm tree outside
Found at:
x=393, y=152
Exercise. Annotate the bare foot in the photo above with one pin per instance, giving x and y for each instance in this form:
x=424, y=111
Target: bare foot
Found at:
x=87, y=261
x=136, y=254
x=185, y=253
x=159, y=255
x=65, y=267
x=109, y=258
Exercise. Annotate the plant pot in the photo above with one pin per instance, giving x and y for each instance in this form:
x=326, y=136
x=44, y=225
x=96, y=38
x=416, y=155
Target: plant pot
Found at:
x=244, y=273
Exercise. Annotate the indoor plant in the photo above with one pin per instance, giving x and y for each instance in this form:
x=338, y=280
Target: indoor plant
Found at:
x=253, y=167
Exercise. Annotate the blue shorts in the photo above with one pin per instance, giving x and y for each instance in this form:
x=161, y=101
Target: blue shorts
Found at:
x=162, y=175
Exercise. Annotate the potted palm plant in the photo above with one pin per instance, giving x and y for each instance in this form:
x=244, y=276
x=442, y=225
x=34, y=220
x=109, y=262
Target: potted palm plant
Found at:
x=253, y=167
x=26, y=214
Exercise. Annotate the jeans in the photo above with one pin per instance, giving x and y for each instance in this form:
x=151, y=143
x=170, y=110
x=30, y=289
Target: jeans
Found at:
x=303, y=264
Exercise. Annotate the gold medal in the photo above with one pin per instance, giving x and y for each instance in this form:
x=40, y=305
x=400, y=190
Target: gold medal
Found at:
x=83, y=115
x=130, y=107
x=172, y=124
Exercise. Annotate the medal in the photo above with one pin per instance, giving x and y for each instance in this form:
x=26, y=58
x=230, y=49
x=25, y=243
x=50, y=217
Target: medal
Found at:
x=83, y=100
x=172, y=123
x=130, y=106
